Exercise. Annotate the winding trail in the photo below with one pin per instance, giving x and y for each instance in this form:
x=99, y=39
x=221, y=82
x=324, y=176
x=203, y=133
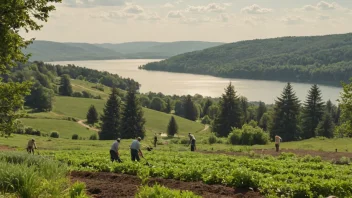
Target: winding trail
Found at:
x=81, y=122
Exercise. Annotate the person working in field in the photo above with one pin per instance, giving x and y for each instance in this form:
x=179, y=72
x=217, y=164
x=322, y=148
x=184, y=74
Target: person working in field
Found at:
x=192, y=141
x=155, y=139
x=136, y=149
x=31, y=146
x=114, y=151
x=277, y=142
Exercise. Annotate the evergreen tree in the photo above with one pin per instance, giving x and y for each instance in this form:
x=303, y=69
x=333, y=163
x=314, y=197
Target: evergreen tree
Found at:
x=172, y=127
x=132, y=122
x=230, y=113
x=92, y=115
x=313, y=111
x=111, y=117
x=244, y=108
x=65, y=88
x=168, y=107
x=260, y=110
x=206, y=106
x=285, y=117
x=179, y=109
x=190, y=109
x=264, y=121
x=326, y=126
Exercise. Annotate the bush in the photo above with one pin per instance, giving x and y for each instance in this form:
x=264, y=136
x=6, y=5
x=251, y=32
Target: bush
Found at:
x=161, y=191
x=77, y=190
x=212, y=139
x=77, y=94
x=93, y=137
x=75, y=137
x=54, y=134
x=31, y=131
x=235, y=136
x=248, y=135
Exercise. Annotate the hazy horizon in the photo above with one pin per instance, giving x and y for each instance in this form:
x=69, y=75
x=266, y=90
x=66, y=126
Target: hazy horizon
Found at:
x=121, y=21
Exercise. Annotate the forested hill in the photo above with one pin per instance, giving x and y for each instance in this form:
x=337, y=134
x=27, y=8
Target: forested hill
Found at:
x=55, y=51
x=324, y=59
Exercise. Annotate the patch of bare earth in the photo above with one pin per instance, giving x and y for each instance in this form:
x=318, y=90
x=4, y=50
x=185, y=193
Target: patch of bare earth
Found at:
x=300, y=152
x=6, y=148
x=111, y=185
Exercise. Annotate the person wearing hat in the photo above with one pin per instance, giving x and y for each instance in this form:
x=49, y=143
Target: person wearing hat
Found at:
x=136, y=149
x=114, y=151
x=192, y=141
x=31, y=145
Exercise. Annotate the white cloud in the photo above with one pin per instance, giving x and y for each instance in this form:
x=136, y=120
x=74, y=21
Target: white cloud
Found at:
x=256, y=9
x=179, y=1
x=212, y=7
x=168, y=5
x=322, y=5
x=133, y=9
x=93, y=3
x=323, y=17
x=224, y=17
x=292, y=20
x=152, y=16
x=175, y=14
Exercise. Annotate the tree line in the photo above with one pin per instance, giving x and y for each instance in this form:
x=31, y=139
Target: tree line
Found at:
x=321, y=59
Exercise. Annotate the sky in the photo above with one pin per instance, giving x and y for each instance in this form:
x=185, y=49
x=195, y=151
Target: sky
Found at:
x=118, y=21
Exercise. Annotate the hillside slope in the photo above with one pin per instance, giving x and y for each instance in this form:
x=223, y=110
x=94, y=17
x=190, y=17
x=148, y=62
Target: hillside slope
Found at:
x=326, y=59
x=54, y=51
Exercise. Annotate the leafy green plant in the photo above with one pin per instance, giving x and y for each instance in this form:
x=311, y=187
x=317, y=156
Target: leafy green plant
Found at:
x=160, y=191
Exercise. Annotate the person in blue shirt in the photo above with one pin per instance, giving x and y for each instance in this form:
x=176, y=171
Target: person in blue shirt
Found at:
x=136, y=149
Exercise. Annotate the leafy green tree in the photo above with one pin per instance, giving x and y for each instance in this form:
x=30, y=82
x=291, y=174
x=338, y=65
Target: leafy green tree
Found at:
x=213, y=111
x=313, y=111
x=345, y=128
x=230, y=113
x=144, y=100
x=285, y=117
x=190, y=109
x=179, y=109
x=206, y=120
x=133, y=121
x=244, y=108
x=110, y=128
x=168, y=107
x=15, y=16
x=65, y=88
x=92, y=115
x=157, y=104
x=260, y=110
x=41, y=98
x=326, y=126
x=264, y=121
x=172, y=127
x=206, y=106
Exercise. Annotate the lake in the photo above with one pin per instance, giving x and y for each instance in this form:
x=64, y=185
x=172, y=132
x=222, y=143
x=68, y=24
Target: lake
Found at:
x=183, y=84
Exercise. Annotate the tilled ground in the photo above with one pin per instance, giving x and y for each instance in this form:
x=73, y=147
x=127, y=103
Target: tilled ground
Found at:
x=111, y=185
x=329, y=156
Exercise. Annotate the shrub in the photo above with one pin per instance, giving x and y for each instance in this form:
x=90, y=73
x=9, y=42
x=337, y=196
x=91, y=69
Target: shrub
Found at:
x=235, y=136
x=75, y=137
x=93, y=137
x=77, y=94
x=184, y=141
x=77, y=190
x=212, y=139
x=29, y=130
x=54, y=134
x=161, y=191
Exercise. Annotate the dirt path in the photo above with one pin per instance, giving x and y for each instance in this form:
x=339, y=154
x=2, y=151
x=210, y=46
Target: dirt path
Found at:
x=111, y=185
x=335, y=156
x=206, y=127
x=81, y=122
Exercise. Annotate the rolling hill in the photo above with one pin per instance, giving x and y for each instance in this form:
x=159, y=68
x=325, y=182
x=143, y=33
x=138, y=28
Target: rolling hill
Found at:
x=55, y=51
x=324, y=59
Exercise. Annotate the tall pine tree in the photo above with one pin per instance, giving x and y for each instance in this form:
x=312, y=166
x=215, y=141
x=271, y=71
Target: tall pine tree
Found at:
x=110, y=129
x=285, y=118
x=230, y=113
x=65, y=88
x=206, y=106
x=260, y=111
x=168, y=107
x=132, y=122
x=92, y=115
x=313, y=111
x=326, y=126
x=190, y=109
x=172, y=127
x=244, y=107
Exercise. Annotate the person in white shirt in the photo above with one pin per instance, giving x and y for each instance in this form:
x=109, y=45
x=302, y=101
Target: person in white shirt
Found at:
x=136, y=149
x=114, y=151
x=31, y=146
x=277, y=142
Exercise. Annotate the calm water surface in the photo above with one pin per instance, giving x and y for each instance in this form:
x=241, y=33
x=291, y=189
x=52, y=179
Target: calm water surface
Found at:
x=183, y=84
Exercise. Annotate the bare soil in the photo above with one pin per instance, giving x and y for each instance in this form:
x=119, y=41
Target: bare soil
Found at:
x=329, y=156
x=111, y=185
x=5, y=148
